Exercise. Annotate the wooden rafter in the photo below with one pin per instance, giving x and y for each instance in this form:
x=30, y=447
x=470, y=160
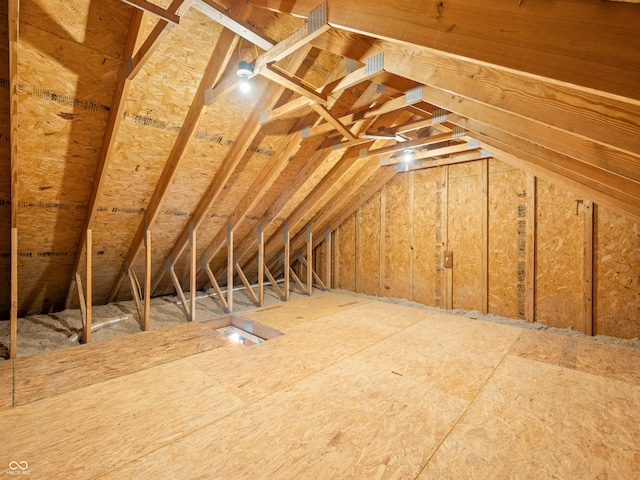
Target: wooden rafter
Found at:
x=166, y=15
x=108, y=143
x=217, y=63
x=316, y=25
x=237, y=25
x=328, y=116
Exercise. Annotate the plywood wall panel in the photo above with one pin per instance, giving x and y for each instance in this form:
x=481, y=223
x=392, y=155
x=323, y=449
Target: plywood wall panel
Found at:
x=347, y=253
x=5, y=165
x=426, y=221
x=559, y=250
x=617, y=275
x=507, y=234
x=369, y=247
x=465, y=234
x=397, y=280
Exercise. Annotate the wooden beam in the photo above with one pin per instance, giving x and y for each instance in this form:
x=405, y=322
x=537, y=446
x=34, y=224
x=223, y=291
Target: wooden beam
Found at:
x=215, y=285
x=230, y=263
x=327, y=256
x=382, y=238
x=282, y=78
x=484, y=252
x=192, y=271
x=274, y=284
x=447, y=272
x=328, y=116
x=297, y=280
x=179, y=292
x=112, y=128
x=83, y=307
x=14, y=27
x=472, y=33
x=315, y=25
x=220, y=57
x=410, y=233
x=336, y=249
x=319, y=281
x=166, y=15
x=234, y=23
x=587, y=266
x=89, y=306
x=147, y=280
x=260, y=266
x=286, y=267
x=470, y=156
x=530, y=250
x=136, y=294
x=309, y=261
x=247, y=285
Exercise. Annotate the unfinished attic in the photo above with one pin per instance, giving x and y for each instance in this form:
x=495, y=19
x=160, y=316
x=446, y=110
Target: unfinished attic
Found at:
x=422, y=218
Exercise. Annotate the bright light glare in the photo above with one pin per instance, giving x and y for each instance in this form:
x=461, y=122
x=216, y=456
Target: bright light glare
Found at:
x=234, y=337
x=407, y=156
x=245, y=86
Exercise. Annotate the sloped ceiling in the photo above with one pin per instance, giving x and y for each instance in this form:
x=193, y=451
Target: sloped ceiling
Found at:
x=131, y=122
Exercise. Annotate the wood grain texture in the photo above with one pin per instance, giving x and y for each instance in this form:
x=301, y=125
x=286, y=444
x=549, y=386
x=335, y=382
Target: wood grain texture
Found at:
x=347, y=254
x=397, y=243
x=559, y=257
x=369, y=246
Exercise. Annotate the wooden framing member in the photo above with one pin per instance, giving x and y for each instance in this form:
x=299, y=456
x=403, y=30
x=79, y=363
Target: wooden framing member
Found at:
x=86, y=303
x=447, y=272
x=297, y=280
x=14, y=28
x=222, y=52
x=286, y=80
x=83, y=308
x=286, y=268
x=309, y=260
x=328, y=116
x=205, y=266
x=336, y=249
x=260, y=266
x=237, y=25
x=530, y=250
x=484, y=252
x=136, y=293
x=588, y=267
x=147, y=280
x=192, y=271
x=179, y=292
x=327, y=257
x=382, y=238
x=429, y=154
x=471, y=156
x=411, y=232
x=108, y=142
x=273, y=281
x=246, y=284
x=136, y=61
x=314, y=26
x=166, y=15
x=230, y=263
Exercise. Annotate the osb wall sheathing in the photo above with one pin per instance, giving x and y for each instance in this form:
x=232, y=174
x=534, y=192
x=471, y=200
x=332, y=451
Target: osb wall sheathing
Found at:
x=5, y=163
x=426, y=228
x=347, y=254
x=69, y=53
x=465, y=233
x=368, y=260
x=397, y=235
x=507, y=236
x=559, y=251
x=617, y=275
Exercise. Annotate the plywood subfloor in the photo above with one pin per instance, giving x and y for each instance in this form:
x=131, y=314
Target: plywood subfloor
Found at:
x=354, y=388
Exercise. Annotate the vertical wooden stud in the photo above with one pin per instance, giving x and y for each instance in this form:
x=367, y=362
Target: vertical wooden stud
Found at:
x=260, y=265
x=383, y=226
x=587, y=313
x=147, y=280
x=13, y=17
x=411, y=233
x=447, y=273
x=286, y=260
x=484, y=254
x=192, y=272
x=327, y=257
x=357, y=250
x=530, y=250
x=310, y=261
x=336, y=258
x=230, y=264
x=89, y=300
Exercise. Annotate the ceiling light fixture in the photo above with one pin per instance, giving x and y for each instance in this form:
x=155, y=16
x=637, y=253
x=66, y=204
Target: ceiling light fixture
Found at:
x=407, y=155
x=245, y=72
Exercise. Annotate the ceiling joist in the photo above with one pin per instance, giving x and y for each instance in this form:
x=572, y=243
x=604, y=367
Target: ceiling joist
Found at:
x=168, y=15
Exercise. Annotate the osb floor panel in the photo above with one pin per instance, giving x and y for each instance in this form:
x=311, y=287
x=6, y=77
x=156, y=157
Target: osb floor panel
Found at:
x=364, y=390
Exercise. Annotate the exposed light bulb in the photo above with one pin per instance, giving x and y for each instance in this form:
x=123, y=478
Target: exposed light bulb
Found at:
x=245, y=86
x=407, y=156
